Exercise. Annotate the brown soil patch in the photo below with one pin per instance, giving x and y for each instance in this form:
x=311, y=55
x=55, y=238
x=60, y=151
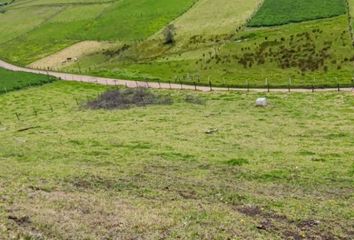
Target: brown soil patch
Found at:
x=71, y=54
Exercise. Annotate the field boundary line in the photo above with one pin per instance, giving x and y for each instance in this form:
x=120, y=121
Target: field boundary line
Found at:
x=158, y=85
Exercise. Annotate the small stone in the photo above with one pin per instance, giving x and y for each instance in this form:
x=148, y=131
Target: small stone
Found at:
x=261, y=102
x=211, y=131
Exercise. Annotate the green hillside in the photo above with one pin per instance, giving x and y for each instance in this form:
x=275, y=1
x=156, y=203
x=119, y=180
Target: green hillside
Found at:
x=213, y=41
x=86, y=161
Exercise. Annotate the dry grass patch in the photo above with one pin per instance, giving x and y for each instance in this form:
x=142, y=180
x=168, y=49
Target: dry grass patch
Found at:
x=215, y=17
x=70, y=55
x=79, y=215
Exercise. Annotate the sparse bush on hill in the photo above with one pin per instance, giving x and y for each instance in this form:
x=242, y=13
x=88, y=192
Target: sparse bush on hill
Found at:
x=169, y=34
x=122, y=99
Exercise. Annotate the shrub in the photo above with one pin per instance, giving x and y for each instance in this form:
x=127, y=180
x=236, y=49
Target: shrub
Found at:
x=122, y=99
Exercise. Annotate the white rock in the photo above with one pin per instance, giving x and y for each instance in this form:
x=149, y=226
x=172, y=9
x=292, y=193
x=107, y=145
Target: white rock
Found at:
x=261, y=102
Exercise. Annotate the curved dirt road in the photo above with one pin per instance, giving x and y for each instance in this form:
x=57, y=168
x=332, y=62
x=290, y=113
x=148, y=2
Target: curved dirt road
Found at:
x=156, y=85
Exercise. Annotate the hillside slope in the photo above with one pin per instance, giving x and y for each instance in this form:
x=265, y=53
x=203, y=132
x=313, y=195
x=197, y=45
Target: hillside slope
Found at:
x=213, y=41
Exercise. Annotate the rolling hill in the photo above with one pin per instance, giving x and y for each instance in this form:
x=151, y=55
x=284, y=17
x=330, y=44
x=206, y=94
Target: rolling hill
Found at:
x=98, y=158
x=230, y=43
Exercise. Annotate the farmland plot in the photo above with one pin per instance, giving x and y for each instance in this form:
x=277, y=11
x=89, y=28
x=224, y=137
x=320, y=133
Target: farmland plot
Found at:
x=215, y=17
x=13, y=23
x=136, y=20
x=277, y=12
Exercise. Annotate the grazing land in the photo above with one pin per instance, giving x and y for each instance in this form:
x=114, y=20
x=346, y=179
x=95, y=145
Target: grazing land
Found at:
x=277, y=12
x=219, y=168
x=10, y=81
x=85, y=161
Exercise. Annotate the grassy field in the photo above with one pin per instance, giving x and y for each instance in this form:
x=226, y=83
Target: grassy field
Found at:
x=72, y=23
x=136, y=19
x=316, y=53
x=209, y=17
x=17, y=22
x=220, y=170
x=10, y=81
x=275, y=12
x=222, y=51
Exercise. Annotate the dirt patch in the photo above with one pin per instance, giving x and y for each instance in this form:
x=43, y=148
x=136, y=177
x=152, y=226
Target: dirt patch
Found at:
x=71, y=54
x=287, y=228
x=21, y=221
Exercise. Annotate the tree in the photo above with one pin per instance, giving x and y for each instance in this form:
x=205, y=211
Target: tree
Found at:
x=169, y=34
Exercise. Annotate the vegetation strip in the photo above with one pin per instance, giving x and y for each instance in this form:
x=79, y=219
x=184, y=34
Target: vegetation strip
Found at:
x=157, y=85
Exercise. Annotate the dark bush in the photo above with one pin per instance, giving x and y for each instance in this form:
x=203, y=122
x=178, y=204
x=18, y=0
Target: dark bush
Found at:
x=122, y=99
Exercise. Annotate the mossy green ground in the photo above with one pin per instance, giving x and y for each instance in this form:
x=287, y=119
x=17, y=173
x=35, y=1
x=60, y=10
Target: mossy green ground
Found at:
x=285, y=171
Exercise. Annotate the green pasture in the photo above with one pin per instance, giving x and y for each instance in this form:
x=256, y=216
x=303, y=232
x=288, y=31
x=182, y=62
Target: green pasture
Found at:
x=220, y=170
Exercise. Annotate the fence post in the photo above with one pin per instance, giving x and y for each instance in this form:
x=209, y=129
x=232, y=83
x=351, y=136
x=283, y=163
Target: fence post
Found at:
x=313, y=88
x=169, y=83
x=338, y=87
x=195, y=86
x=210, y=86
x=268, y=86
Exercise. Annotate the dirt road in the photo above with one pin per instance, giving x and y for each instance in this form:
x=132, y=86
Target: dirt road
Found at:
x=156, y=85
